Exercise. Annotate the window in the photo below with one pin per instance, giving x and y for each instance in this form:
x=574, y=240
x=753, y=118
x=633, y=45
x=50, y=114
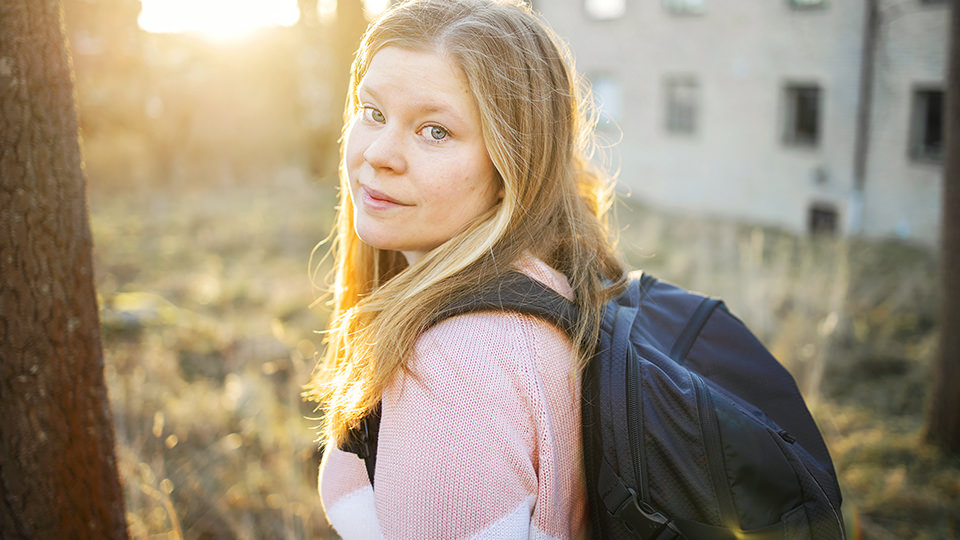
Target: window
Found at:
x=605, y=9
x=684, y=7
x=822, y=218
x=607, y=98
x=802, y=120
x=682, y=96
x=926, y=125
x=803, y=4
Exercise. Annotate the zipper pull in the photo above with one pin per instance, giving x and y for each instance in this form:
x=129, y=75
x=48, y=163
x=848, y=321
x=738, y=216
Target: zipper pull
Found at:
x=787, y=437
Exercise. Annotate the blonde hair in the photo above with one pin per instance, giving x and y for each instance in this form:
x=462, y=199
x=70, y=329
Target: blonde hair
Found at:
x=538, y=129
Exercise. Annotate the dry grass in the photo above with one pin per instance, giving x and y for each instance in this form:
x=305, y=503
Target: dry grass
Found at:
x=208, y=337
x=208, y=341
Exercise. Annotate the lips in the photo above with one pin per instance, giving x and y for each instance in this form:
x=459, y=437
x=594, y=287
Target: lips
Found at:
x=378, y=200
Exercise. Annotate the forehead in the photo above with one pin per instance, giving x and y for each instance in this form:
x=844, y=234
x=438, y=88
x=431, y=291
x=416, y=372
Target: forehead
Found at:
x=416, y=77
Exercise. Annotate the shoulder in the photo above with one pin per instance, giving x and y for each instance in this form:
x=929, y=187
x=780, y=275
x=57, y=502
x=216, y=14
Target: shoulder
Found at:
x=485, y=344
x=491, y=343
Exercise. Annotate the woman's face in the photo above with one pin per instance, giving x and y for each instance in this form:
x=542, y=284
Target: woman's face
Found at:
x=418, y=167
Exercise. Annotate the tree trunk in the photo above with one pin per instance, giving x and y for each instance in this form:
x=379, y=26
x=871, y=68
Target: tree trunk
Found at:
x=943, y=421
x=58, y=475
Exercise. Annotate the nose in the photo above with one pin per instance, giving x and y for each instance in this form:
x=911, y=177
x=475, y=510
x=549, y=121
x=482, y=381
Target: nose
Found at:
x=385, y=150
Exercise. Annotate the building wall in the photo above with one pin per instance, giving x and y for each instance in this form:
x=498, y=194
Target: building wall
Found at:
x=901, y=196
x=737, y=164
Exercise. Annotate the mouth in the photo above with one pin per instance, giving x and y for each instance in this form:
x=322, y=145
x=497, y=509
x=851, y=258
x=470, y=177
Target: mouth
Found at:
x=377, y=199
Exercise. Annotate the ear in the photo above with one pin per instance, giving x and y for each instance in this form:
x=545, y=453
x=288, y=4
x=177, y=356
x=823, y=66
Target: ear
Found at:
x=501, y=194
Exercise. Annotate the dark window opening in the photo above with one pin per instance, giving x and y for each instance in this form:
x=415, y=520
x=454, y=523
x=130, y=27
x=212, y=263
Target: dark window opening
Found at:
x=927, y=125
x=823, y=219
x=803, y=115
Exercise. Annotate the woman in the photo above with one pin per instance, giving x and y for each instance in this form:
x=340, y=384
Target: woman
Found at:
x=466, y=155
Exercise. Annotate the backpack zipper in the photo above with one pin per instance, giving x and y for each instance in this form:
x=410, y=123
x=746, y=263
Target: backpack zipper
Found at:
x=633, y=426
x=833, y=511
x=710, y=427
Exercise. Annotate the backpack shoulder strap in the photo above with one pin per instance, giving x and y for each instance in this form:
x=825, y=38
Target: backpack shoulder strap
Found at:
x=691, y=331
x=518, y=293
x=362, y=441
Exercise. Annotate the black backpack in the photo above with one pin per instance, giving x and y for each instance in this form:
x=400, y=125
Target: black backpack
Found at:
x=691, y=428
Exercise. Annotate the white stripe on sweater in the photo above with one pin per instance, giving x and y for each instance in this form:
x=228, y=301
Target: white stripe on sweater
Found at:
x=355, y=516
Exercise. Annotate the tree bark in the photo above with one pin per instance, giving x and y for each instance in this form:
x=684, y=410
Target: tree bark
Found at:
x=943, y=420
x=58, y=475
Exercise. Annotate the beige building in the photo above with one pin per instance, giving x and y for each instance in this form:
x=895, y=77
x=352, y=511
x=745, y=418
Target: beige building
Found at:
x=806, y=114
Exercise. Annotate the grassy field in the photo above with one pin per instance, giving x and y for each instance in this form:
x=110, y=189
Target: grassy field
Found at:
x=204, y=301
x=204, y=294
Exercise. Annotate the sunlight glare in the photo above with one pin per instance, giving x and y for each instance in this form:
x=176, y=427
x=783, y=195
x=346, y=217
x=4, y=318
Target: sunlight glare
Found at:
x=375, y=7
x=219, y=19
x=327, y=9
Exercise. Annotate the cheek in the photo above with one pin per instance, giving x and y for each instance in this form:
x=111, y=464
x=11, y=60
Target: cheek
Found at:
x=469, y=196
x=353, y=149
x=485, y=186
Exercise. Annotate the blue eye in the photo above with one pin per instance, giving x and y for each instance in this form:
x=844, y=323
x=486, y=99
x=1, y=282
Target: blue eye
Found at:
x=434, y=133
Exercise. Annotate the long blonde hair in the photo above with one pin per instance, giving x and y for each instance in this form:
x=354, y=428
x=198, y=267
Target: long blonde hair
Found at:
x=538, y=130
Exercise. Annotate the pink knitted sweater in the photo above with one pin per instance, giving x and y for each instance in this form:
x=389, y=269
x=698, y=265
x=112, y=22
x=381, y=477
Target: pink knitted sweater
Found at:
x=482, y=442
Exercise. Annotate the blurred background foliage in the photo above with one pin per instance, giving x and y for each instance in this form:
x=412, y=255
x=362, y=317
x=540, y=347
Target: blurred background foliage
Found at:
x=211, y=168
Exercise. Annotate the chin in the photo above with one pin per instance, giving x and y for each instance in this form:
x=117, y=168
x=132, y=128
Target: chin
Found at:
x=378, y=241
